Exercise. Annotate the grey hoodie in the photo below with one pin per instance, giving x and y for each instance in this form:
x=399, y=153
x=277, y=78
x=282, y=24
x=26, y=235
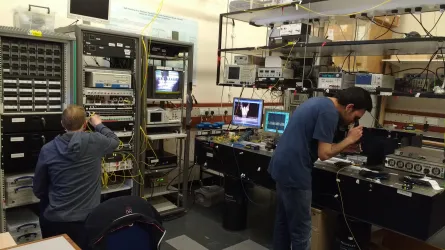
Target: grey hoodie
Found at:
x=68, y=171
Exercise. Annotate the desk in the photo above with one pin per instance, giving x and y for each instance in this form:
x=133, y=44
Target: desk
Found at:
x=417, y=213
x=61, y=242
x=6, y=240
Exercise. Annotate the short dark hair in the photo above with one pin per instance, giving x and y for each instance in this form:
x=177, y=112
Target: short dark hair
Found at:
x=357, y=96
x=73, y=117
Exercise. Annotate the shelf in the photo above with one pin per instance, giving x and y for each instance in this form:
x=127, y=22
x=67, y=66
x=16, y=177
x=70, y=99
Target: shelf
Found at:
x=411, y=46
x=154, y=137
x=159, y=191
x=22, y=204
x=437, y=62
x=163, y=100
x=420, y=95
x=164, y=125
x=390, y=93
x=115, y=188
x=264, y=16
x=169, y=58
x=164, y=169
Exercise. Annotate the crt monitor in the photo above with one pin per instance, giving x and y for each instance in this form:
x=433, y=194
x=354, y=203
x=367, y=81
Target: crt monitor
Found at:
x=276, y=121
x=247, y=112
x=167, y=84
x=89, y=10
x=234, y=73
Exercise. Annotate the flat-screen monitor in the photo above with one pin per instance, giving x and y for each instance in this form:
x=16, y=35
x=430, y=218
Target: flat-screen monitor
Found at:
x=276, y=121
x=89, y=10
x=247, y=112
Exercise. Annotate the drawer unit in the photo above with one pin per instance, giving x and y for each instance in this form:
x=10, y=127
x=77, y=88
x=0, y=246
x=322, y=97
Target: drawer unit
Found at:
x=31, y=123
x=16, y=196
x=21, y=151
x=29, y=237
x=23, y=225
x=19, y=180
x=20, y=142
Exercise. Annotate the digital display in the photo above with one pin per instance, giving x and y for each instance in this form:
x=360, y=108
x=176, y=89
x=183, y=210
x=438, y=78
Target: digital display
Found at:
x=234, y=73
x=247, y=112
x=90, y=8
x=330, y=75
x=167, y=82
x=276, y=121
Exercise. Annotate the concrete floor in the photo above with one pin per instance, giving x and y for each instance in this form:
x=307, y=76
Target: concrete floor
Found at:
x=201, y=228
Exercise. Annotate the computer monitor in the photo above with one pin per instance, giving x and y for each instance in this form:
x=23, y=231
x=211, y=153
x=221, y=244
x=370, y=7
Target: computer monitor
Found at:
x=276, y=121
x=89, y=10
x=247, y=112
x=165, y=83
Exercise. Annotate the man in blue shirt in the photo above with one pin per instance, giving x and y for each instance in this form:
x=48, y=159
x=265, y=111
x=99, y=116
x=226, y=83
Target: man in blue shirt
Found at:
x=309, y=136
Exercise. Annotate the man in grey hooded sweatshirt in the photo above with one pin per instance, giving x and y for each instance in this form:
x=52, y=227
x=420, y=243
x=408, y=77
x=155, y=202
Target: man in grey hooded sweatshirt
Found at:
x=67, y=176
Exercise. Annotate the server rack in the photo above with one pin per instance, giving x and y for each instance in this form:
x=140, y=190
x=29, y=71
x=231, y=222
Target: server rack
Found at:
x=117, y=105
x=161, y=53
x=36, y=75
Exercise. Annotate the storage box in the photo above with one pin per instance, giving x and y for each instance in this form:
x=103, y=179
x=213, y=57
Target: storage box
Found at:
x=20, y=195
x=23, y=225
x=322, y=229
x=346, y=31
x=19, y=180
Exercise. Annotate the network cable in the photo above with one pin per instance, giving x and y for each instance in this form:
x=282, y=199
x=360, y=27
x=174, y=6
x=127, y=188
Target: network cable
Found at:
x=343, y=207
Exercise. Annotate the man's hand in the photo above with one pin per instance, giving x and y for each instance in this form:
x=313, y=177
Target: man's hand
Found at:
x=95, y=120
x=355, y=134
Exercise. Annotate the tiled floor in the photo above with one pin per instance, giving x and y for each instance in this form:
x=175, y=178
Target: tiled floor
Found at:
x=201, y=228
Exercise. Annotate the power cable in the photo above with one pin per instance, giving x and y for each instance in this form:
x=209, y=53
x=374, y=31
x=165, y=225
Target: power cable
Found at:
x=388, y=29
x=436, y=23
x=343, y=207
x=421, y=24
x=396, y=32
x=340, y=15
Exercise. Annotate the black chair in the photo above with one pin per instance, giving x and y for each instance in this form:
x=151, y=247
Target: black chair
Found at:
x=122, y=223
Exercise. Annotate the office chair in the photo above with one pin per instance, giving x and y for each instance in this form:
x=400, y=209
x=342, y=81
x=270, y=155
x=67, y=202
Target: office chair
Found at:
x=122, y=223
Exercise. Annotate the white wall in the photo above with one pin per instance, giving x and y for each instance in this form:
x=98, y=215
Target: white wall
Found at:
x=205, y=12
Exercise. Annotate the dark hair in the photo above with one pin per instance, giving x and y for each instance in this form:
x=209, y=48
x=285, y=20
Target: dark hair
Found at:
x=73, y=117
x=357, y=96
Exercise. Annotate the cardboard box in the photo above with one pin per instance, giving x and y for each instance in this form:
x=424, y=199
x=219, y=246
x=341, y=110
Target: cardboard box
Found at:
x=323, y=223
x=347, y=32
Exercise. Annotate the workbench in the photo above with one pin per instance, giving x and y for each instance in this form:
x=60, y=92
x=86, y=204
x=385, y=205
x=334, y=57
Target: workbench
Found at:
x=418, y=212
